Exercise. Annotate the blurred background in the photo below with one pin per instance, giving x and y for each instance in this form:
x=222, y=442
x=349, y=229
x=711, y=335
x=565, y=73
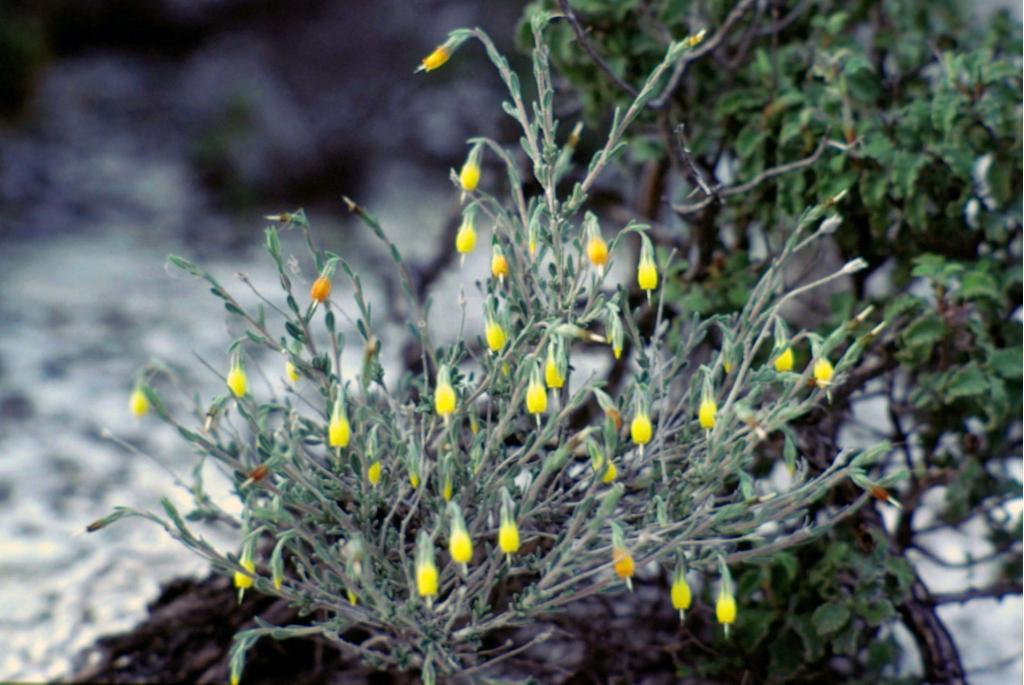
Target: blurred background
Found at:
x=133, y=129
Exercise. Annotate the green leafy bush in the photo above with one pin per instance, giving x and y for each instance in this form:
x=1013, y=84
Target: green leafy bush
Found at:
x=914, y=112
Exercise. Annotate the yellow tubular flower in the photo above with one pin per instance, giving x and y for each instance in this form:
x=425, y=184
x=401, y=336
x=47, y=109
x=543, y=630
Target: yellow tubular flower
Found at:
x=436, y=59
x=784, y=360
x=823, y=372
x=536, y=399
x=339, y=431
x=725, y=609
x=508, y=537
x=640, y=429
x=373, y=473
x=552, y=376
x=137, y=403
x=460, y=546
x=681, y=595
x=499, y=265
x=597, y=252
x=647, y=276
x=465, y=239
x=291, y=372
x=426, y=579
x=243, y=581
x=237, y=381
x=469, y=176
x=495, y=335
x=444, y=395
x=707, y=412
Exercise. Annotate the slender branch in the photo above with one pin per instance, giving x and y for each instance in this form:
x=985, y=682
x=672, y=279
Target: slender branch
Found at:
x=765, y=175
x=588, y=47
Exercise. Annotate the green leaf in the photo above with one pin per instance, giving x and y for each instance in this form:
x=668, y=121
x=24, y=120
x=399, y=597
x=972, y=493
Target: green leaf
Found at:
x=828, y=618
x=979, y=283
x=924, y=332
x=966, y=382
x=1007, y=363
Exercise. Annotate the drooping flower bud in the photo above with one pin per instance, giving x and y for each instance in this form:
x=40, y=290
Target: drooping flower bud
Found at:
x=465, y=239
x=707, y=413
x=536, y=395
x=647, y=271
x=681, y=594
x=460, y=546
x=444, y=395
x=622, y=558
x=338, y=431
x=426, y=569
x=495, y=335
x=237, y=381
x=138, y=403
x=508, y=532
x=499, y=264
x=555, y=366
x=469, y=175
x=784, y=360
x=823, y=372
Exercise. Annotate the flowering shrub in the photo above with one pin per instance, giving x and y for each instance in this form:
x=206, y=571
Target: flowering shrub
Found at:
x=507, y=478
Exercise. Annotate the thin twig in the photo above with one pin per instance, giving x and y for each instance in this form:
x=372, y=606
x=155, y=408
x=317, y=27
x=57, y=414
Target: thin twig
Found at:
x=765, y=175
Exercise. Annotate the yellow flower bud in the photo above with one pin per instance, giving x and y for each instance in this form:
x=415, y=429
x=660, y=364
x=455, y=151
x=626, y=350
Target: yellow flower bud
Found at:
x=414, y=479
x=244, y=581
x=597, y=251
x=352, y=599
x=823, y=372
x=321, y=289
x=460, y=546
x=446, y=491
x=531, y=246
x=640, y=429
x=536, y=398
x=426, y=579
x=291, y=372
x=623, y=562
x=137, y=403
x=647, y=275
x=499, y=265
x=373, y=473
x=784, y=360
x=465, y=239
x=727, y=366
x=237, y=381
x=339, y=431
x=725, y=609
x=681, y=595
x=552, y=376
x=610, y=474
x=469, y=176
x=435, y=59
x=495, y=335
x=707, y=412
x=444, y=395
x=508, y=537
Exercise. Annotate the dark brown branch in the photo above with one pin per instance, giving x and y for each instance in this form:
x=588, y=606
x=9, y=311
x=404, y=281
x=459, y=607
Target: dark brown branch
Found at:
x=784, y=23
x=754, y=182
x=588, y=47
